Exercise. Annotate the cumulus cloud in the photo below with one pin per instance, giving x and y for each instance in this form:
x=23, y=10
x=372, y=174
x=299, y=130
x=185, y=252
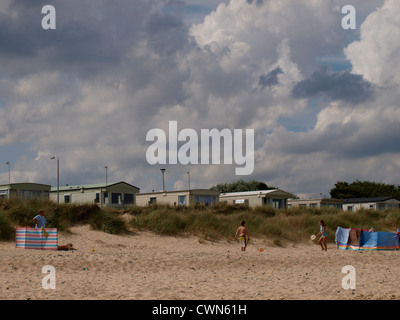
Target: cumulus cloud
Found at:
x=377, y=54
x=343, y=86
x=90, y=90
x=270, y=79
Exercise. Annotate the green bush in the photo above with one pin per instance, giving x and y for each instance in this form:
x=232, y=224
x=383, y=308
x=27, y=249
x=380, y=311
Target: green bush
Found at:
x=83, y=213
x=108, y=222
x=224, y=208
x=7, y=231
x=134, y=210
x=161, y=220
x=265, y=211
x=21, y=212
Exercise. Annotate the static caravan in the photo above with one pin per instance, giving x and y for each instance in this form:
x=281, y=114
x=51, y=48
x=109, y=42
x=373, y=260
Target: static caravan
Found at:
x=25, y=190
x=316, y=203
x=377, y=203
x=117, y=194
x=275, y=198
x=180, y=197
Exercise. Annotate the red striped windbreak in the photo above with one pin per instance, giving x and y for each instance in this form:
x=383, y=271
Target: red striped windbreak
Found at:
x=33, y=238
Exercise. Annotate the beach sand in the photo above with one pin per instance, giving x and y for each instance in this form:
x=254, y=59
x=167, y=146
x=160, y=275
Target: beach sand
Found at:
x=144, y=266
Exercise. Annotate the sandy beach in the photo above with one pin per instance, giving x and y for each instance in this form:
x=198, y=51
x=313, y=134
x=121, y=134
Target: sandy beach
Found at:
x=144, y=266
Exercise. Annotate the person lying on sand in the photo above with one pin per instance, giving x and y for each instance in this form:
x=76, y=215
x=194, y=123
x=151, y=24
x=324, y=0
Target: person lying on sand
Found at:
x=67, y=246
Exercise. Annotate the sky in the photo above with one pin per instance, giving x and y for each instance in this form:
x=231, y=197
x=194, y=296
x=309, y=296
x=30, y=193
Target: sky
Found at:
x=323, y=101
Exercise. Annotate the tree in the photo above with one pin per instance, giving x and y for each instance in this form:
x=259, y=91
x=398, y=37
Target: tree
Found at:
x=364, y=189
x=240, y=186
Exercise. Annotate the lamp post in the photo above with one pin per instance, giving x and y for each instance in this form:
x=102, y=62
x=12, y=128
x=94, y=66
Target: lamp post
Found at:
x=188, y=173
x=163, y=183
x=9, y=172
x=106, y=174
x=58, y=179
x=9, y=179
x=104, y=193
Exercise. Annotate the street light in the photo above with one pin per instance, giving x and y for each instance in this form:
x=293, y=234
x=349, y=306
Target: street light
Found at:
x=163, y=183
x=9, y=172
x=104, y=193
x=188, y=173
x=106, y=174
x=9, y=179
x=58, y=179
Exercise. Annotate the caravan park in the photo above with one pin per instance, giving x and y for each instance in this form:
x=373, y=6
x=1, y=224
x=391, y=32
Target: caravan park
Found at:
x=199, y=151
x=188, y=252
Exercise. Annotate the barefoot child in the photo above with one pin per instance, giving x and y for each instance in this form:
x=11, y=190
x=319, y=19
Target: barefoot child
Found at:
x=323, y=234
x=243, y=234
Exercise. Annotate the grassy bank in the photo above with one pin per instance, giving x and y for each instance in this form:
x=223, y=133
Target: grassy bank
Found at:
x=15, y=212
x=221, y=221
x=217, y=222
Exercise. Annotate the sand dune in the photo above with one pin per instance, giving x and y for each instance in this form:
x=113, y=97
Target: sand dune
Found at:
x=146, y=266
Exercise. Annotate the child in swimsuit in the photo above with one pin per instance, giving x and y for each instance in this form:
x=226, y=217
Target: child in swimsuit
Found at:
x=243, y=234
x=323, y=234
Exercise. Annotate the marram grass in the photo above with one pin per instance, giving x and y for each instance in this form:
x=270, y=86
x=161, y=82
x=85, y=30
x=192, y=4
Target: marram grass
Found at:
x=216, y=222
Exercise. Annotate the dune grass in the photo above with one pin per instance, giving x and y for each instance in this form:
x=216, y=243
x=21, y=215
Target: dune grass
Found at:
x=221, y=221
x=16, y=212
x=216, y=222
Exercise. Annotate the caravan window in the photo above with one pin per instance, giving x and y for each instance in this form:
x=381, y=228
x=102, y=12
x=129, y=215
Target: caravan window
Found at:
x=129, y=198
x=182, y=200
x=206, y=200
x=67, y=198
x=277, y=203
x=153, y=200
x=115, y=198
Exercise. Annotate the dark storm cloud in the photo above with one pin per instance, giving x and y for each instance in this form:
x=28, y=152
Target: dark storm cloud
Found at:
x=270, y=79
x=167, y=33
x=343, y=86
x=91, y=37
x=127, y=47
x=258, y=2
x=344, y=141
